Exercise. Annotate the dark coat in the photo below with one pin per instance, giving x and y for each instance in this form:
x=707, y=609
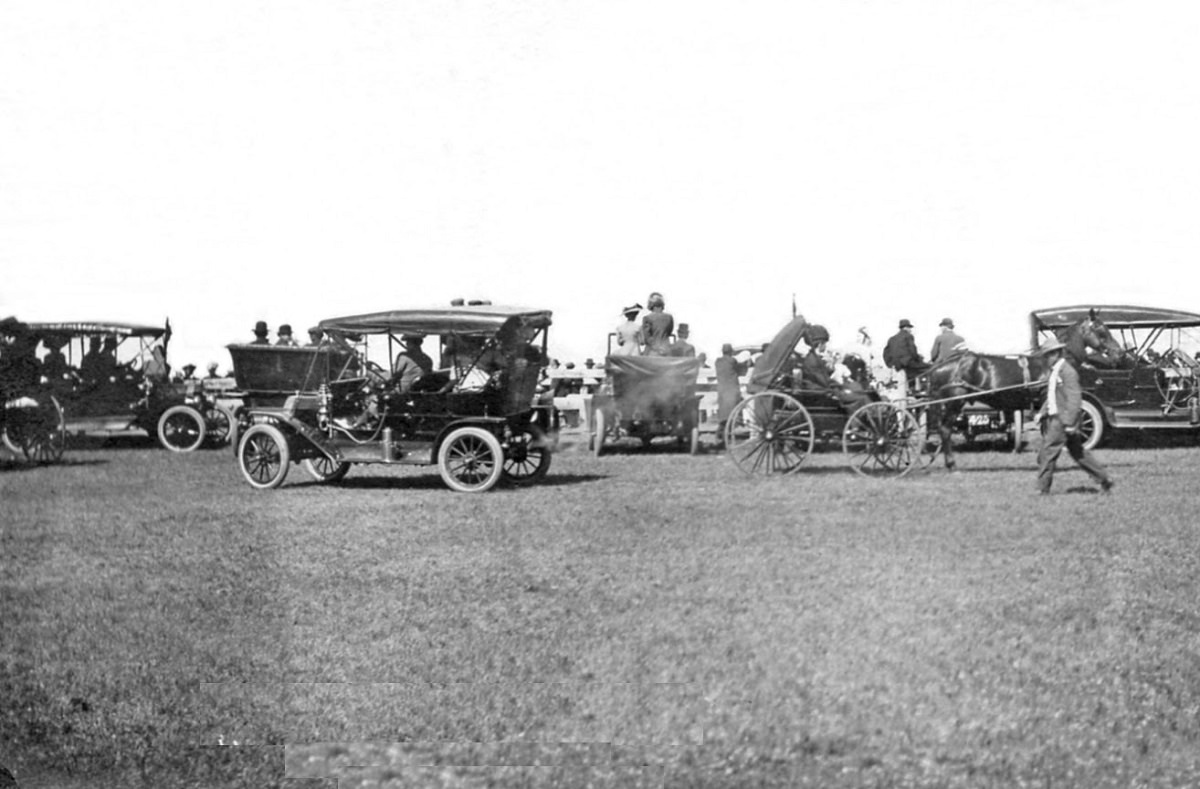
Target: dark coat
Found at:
x=900, y=353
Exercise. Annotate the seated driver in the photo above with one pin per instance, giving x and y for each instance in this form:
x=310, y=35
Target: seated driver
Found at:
x=411, y=363
x=818, y=377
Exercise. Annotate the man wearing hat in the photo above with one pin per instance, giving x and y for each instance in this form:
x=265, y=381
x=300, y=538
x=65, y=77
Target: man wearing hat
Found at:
x=901, y=355
x=681, y=346
x=629, y=334
x=262, y=335
x=315, y=334
x=1059, y=421
x=411, y=363
x=285, y=336
x=944, y=344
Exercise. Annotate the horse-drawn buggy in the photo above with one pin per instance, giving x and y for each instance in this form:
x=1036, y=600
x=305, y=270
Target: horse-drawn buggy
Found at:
x=472, y=413
x=1147, y=379
x=783, y=418
x=776, y=427
x=113, y=379
x=647, y=397
x=31, y=420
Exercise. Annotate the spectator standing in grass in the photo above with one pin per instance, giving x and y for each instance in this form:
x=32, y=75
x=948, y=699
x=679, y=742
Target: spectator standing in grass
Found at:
x=946, y=343
x=657, y=327
x=729, y=388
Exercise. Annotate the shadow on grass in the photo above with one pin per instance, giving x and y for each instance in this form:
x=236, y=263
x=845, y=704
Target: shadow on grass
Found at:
x=434, y=482
x=25, y=465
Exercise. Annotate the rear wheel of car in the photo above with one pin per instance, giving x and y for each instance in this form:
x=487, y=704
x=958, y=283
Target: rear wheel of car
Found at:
x=470, y=460
x=325, y=469
x=263, y=456
x=528, y=458
x=181, y=428
x=1091, y=425
x=220, y=421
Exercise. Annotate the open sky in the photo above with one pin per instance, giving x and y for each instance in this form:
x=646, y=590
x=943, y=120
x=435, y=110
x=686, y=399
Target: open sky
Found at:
x=226, y=161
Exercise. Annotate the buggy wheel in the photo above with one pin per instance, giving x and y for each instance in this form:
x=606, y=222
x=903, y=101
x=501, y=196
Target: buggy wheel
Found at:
x=219, y=421
x=528, y=458
x=769, y=433
x=36, y=430
x=325, y=468
x=181, y=428
x=263, y=456
x=1091, y=425
x=1017, y=429
x=881, y=440
x=470, y=460
x=598, y=436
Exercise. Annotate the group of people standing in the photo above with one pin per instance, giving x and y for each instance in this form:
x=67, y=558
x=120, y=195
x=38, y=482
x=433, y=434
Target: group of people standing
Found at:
x=655, y=335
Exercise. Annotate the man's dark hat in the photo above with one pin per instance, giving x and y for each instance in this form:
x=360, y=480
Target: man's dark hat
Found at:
x=683, y=328
x=905, y=323
x=285, y=328
x=947, y=322
x=417, y=338
x=261, y=328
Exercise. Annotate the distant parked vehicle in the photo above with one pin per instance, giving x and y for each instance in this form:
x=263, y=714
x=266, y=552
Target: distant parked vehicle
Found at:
x=114, y=380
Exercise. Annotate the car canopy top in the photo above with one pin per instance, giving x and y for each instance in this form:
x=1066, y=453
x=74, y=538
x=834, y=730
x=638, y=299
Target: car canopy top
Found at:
x=91, y=328
x=482, y=319
x=1112, y=316
x=777, y=360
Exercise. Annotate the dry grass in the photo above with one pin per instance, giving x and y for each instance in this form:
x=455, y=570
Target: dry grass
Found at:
x=642, y=619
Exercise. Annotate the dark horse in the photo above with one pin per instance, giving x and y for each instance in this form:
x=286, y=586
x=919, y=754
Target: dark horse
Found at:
x=1010, y=383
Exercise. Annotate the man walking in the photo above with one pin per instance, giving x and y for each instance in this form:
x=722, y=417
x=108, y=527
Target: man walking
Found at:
x=1059, y=421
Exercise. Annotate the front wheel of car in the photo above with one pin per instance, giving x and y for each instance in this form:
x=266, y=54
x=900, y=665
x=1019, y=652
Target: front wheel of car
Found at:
x=181, y=428
x=263, y=456
x=470, y=460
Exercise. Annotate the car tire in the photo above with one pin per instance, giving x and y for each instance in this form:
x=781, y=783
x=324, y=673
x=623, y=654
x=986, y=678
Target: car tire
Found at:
x=264, y=456
x=181, y=428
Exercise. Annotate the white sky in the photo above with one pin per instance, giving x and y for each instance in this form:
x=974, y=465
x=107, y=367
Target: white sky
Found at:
x=221, y=162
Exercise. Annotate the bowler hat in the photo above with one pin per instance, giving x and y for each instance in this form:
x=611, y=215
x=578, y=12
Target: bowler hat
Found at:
x=285, y=328
x=947, y=322
x=261, y=328
x=905, y=323
x=683, y=328
x=1051, y=345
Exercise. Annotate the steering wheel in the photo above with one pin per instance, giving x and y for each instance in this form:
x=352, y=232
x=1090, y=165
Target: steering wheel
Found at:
x=1175, y=377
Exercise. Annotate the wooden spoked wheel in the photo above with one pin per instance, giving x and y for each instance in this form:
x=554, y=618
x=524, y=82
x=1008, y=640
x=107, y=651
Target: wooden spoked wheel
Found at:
x=882, y=440
x=769, y=433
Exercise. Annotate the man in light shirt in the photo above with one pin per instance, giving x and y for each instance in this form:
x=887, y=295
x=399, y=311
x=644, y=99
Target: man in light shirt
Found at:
x=1059, y=420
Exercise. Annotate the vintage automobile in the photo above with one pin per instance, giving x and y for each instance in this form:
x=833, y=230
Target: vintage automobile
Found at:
x=112, y=379
x=1155, y=386
x=646, y=397
x=331, y=406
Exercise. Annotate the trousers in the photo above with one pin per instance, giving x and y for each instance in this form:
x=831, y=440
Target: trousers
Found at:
x=1054, y=438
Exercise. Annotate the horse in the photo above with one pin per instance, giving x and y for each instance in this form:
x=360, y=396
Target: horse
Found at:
x=1010, y=383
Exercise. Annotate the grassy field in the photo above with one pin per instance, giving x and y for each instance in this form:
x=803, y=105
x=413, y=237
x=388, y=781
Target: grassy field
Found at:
x=643, y=619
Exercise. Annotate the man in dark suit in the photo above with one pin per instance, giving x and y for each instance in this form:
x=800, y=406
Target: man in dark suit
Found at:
x=901, y=355
x=1059, y=420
